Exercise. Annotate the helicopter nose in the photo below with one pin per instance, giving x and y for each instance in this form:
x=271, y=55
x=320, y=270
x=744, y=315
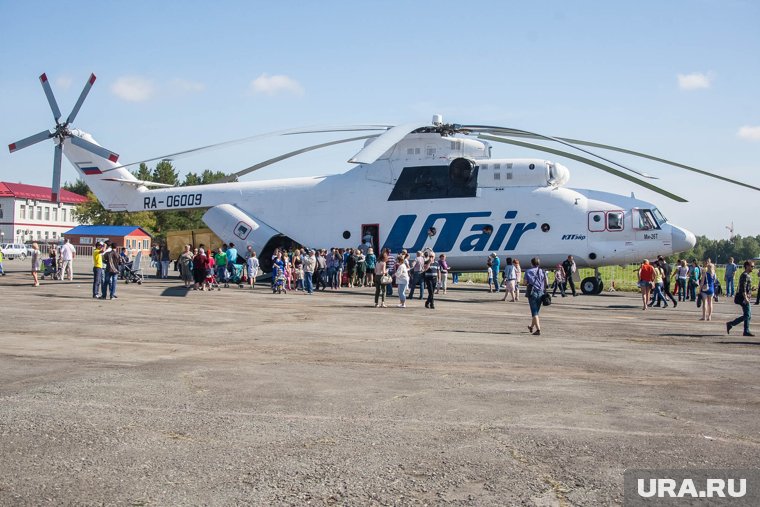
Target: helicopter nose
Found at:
x=682, y=239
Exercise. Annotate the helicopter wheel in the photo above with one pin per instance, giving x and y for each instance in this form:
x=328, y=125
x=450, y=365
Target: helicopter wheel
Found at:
x=591, y=285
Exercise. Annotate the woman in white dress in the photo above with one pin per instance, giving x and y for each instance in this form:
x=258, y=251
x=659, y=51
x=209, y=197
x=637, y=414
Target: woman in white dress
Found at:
x=35, y=263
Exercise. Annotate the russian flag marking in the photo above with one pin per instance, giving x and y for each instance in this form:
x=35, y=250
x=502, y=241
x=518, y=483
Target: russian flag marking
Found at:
x=89, y=171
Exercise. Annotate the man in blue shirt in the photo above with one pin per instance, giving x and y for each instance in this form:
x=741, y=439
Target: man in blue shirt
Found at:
x=495, y=265
x=730, y=274
x=232, y=256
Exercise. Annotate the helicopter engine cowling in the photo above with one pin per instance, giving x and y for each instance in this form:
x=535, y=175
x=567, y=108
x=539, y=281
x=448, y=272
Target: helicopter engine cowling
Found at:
x=521, y=172
x=233, y=225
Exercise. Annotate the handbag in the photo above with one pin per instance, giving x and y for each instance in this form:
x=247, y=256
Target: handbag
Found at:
x=546, y=299
x=386, y=280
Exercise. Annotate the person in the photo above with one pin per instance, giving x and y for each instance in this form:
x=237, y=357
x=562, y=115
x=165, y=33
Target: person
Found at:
x=509, y=280
x=560, y=282
x=200, y=265
x=707, y=289
x=165, y=259
x=186, y=266
x=68, y=252
x=111, y=262
x=381, y=269
x=35, y=263
x=489, y=274
x=518, y=277
x=444, y=270
x=731, y=268
x=757, y=301
x=97, y=270
x=430, y=271
x=390, y=266
x=496, y=265
x=570, y=268
x=657, y=297
x=646, y=281
x=417, y=278
x=252, y=264
x=2, y=271
x=370, y=260
x=667, y=274
x=682, y=276
x=232, y=255
x=536, y=282
x=743, y=297
x=694, y=275
x=220, y=265
x=402, y=279
x=309, y=265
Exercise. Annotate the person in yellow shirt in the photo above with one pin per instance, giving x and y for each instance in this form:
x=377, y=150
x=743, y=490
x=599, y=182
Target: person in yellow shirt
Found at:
x=97, y=269
x=2, y=271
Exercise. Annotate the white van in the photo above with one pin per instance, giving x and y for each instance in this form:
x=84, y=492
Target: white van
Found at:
x=13, y=250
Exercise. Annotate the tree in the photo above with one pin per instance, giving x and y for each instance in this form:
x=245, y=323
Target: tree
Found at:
x=164, y=172
x=143, y=173
x=78, y=187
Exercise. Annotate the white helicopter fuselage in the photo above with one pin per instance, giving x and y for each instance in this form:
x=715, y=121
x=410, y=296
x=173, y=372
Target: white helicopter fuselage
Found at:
x=422, y=194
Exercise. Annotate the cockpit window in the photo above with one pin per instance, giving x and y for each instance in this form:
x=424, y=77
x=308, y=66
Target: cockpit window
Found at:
x=646, y=220
x=659, y=216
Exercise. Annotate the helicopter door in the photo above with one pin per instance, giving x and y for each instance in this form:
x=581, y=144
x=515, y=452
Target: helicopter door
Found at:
x=371, y=232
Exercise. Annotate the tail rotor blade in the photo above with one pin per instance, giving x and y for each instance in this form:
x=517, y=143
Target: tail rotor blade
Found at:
x=82, y=96
x=36, y=138
x=94, y=148
x=50, y=97
x=56, y=188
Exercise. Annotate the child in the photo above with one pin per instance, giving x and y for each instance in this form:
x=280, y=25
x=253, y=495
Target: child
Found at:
x=490, y=275
x=559, y=280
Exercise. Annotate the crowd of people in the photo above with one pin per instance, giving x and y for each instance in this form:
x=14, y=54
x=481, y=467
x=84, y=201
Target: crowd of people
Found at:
x=310, y=270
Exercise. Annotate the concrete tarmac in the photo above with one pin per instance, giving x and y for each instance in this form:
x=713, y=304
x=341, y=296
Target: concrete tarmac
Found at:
x=172, y=397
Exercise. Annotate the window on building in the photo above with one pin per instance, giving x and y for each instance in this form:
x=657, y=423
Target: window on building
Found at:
x=55, y=234
x=47, y=235
x=63, y=214
x=39, y=213
x=22, y=211
x=55, y=214
x=39, y=234
x=47, y=213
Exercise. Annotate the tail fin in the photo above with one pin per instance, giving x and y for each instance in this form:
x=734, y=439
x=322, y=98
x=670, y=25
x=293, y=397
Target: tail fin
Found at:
x=113, y=185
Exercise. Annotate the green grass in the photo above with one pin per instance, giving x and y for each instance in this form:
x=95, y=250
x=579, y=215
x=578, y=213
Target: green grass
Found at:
x=625, y=278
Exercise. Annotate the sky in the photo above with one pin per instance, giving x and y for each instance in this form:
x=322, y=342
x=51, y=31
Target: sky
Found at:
x=677, y=79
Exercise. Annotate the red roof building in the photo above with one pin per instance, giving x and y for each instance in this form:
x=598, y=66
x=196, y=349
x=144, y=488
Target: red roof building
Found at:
x=27, y=213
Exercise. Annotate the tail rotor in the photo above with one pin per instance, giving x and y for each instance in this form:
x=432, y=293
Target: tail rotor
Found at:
x=61, y=133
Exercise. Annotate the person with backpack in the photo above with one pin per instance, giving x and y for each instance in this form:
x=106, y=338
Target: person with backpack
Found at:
x=536, y=282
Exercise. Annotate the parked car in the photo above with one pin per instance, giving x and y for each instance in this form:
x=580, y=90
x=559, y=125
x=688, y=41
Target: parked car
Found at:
x=14, y=250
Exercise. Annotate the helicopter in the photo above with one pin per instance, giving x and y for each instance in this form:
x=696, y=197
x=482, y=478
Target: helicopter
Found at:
x=414, y=186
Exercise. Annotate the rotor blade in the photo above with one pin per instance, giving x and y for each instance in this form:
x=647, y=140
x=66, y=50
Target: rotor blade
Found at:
x=50, y=97
x=658, y=159
x=94, y=148
x=82, y=96
x=587, y=161
x=510, y=131
x=288, y=132
x=36, y=138
x=56, y=188
x=256, y=167
x=384, y=143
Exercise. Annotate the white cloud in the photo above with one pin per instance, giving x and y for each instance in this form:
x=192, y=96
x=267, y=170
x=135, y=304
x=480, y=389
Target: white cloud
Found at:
x=694, y=81
x=133, y=88
x=63, y=82
x=749, y=133
x=184, y=85
x=272, y=85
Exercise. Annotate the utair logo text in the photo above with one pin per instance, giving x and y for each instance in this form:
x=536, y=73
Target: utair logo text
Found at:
x=494, y=237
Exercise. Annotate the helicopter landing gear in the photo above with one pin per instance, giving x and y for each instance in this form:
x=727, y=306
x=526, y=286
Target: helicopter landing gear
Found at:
x=592, y=285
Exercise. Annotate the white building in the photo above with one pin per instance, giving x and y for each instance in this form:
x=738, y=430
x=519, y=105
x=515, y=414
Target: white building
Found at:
x=27, y=213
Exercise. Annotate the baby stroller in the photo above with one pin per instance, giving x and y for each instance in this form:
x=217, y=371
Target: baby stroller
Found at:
x=131, y=271
x=278, y=287
x=211, y=280
x=50, y=269
x=237, y=275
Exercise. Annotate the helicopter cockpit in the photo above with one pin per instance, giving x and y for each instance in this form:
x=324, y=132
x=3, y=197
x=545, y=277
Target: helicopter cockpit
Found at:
x=648, y=219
